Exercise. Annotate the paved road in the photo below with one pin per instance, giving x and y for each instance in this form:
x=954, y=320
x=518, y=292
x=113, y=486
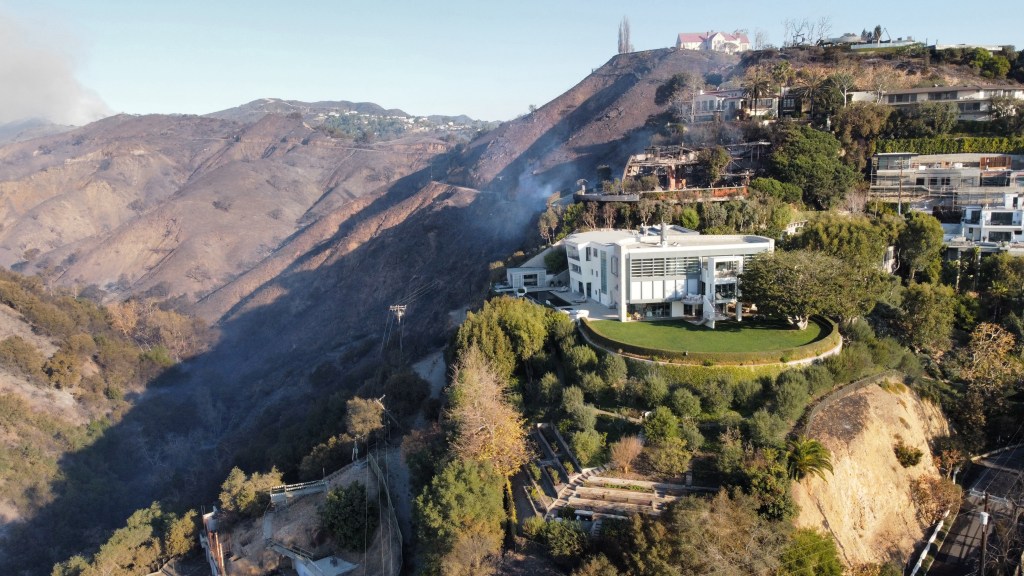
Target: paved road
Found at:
x=961, y=551
x=1001, y=475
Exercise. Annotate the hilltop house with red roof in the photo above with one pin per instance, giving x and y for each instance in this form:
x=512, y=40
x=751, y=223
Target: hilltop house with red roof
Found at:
x=713, y=41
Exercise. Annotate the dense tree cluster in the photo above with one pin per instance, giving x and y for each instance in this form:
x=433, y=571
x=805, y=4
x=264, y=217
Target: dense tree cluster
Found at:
x=798, y=284
x=81, y=349
x=459, y=517
x=722, y=535
x=349, y=515
x=811, y=160
x=150, y=538
x=247, y=496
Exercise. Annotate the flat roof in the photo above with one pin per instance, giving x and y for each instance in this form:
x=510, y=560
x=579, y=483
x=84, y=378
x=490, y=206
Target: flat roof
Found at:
x=955, y=88
x=673, y=239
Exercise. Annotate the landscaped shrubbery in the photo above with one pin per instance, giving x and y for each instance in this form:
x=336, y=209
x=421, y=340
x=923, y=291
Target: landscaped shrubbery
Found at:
x=946, y=145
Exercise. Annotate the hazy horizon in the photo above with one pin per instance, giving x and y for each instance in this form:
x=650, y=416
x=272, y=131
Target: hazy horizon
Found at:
x=74, y=62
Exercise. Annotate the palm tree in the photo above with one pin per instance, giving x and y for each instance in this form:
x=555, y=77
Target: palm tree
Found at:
x=807, y=456
x=756, y=84
x=810, y=80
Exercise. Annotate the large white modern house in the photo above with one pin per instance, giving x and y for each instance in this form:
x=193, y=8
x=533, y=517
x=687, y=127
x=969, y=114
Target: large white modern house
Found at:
x=668, y=272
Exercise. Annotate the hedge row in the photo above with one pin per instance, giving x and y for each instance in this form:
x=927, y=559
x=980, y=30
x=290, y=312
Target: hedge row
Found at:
x=702, y=376
x=1011, y=145
x=816, y=348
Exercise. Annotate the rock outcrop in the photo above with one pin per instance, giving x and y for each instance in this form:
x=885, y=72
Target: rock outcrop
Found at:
x=866, y=504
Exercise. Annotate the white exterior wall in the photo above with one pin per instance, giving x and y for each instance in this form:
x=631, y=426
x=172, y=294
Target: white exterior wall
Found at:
x=679, y=289
x=964, y=97
x=530, y=278
x=590, y=271
x=982, y=230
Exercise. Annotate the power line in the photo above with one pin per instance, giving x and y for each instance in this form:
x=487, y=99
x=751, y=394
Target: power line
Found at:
x=399, y=311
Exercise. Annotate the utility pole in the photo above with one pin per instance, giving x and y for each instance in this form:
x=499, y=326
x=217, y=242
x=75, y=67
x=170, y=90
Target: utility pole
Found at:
x=399, y=311
x=899, y=197
x=984, y=536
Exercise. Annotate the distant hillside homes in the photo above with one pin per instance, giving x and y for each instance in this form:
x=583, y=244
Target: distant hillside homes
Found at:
x=713, y=42
x=974, y=103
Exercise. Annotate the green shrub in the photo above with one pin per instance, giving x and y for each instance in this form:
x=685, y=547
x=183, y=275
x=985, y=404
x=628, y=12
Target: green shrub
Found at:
x=654, y=388
x=690, y=434
x=588, y=446
x=669, y=458
x=746, y=394
x=565, y=541
x=852, y=363
x=19, y=355
x=907, y=455
x=248, y=495
x=556, y=260
x=548, y=389
x=767, y=429
x=349, y=515
x=593, y=385
x=684, y=403
x=819, y=379
x=811, y=552
x=661, y=426
x=556, y=477
x=63, y=370
x=534, y=471
x=790, y=396
x=698, y=377
x=716, y=396
x=533, y=527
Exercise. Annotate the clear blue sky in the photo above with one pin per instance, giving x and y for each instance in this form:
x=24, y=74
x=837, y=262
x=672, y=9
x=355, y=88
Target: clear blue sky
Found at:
x=490, y=60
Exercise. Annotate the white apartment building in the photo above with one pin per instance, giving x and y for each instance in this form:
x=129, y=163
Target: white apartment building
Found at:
x=994, y=223
x=974, y=103
x=666, y=273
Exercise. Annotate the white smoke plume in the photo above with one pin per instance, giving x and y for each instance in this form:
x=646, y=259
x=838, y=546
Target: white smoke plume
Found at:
x=37, y=80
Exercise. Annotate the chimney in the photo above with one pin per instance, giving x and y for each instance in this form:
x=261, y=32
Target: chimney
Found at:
x=664, y=242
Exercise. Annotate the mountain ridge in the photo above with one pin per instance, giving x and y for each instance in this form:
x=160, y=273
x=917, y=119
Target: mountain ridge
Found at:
x=293, y=244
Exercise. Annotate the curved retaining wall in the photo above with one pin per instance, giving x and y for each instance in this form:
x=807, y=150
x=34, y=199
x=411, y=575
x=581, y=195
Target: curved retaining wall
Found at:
x=828, y=345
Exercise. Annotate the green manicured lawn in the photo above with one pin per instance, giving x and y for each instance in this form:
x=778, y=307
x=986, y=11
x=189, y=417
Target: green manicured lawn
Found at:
x=682, y=336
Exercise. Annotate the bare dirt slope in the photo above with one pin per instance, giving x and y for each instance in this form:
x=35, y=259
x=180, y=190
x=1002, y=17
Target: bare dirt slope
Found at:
x=609, y=115
x=179, y=205
x=866, y=503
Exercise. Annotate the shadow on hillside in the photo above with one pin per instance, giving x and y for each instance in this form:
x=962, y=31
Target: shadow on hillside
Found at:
x=248, y=399
x=597, y=106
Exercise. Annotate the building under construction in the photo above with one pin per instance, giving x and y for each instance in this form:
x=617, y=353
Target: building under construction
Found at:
x=930, y=181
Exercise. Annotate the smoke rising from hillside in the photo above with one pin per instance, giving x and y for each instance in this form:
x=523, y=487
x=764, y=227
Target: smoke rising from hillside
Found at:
x=37, y=80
